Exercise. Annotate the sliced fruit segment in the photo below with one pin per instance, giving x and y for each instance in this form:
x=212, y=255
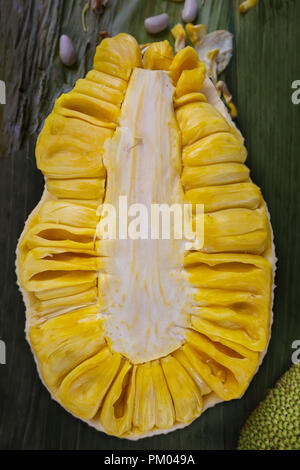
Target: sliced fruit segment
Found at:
x=81, y=188
x=191, y=365
x=63, y=304
x=190, y=81
x=51, y=280
x=99, y=91
x=66, y=291
x=189, y=98
x=59, y=125
x=158, y=56
x=83, y=390
x=215, y=148
x=198, y=120
x=90, y=109
x=62, y=156
x=106, y=80
x=144, y=403
x=243, y=328
x=212, y=175
x=225, y=366
x=216, y=198
x=164, y=409
x=117, y=411
x=64, y=213
x=236, y=230
x=237, y=317
x=118, y=56
x=185, y=59
x=230, y=297
x=229, y=271
x=185, y=393
x=59, y=235
x=46, y=263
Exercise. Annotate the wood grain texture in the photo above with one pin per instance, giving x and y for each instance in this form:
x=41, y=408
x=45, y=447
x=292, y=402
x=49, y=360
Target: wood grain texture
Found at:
x=265, y=63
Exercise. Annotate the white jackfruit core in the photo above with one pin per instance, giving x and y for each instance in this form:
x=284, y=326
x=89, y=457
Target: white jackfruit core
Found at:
x=143, y=289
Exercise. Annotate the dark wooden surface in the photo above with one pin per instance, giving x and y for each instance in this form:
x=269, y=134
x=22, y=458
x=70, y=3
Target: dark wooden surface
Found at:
x=266, y=61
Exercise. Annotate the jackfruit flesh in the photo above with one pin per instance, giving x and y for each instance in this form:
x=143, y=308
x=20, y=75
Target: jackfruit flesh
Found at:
x=140, y=336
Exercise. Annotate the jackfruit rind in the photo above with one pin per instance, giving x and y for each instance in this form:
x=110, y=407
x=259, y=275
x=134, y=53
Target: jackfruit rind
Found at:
x=140, y=337
x=275, y=423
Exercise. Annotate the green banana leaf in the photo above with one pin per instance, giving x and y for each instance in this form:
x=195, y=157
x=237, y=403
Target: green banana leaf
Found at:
x=260, y=76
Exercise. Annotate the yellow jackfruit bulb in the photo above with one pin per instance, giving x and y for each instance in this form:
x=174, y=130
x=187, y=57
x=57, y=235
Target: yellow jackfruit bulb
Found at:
x=185, y=59
x=195, y=32
x=64, y=342
x=118, y=56
x=186, y=395
x=191, y=81
x=193, y=97
x=179, y=36
x=199, y=120
x=83, y=390
x=117, y=410
x=144, y=406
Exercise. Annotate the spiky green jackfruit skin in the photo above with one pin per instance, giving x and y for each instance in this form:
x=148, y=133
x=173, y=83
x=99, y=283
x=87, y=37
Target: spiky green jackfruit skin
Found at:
x=275, y=423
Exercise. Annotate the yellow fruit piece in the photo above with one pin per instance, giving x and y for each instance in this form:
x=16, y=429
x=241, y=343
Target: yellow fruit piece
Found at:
x=185, y=59
x=179, y=36
x=64, y=342
x=65, y=291
x=50, y=280
x=81, y=188
x=215, y=148
x=236, y=321
x=144, y=403
x=186, y=395
x=189, y=98
x=191, y=81
x=216, y=198
x=118, y=56
x=198, y=120
x=81, y=130
x=191, y=364
x=117, y=410
x=44, y=264
x=97, y=112
x=99, y=91
x=106, y=80
x=164, y=409
x=225, y=366
x=62, y=213
x=244, y=272
x=59, y=235
x=64, y=303
x=213, y=175
x=195, y=32
x=236, y=230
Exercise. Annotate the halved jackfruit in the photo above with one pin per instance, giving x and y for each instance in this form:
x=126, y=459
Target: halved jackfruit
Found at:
x=139, y=335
